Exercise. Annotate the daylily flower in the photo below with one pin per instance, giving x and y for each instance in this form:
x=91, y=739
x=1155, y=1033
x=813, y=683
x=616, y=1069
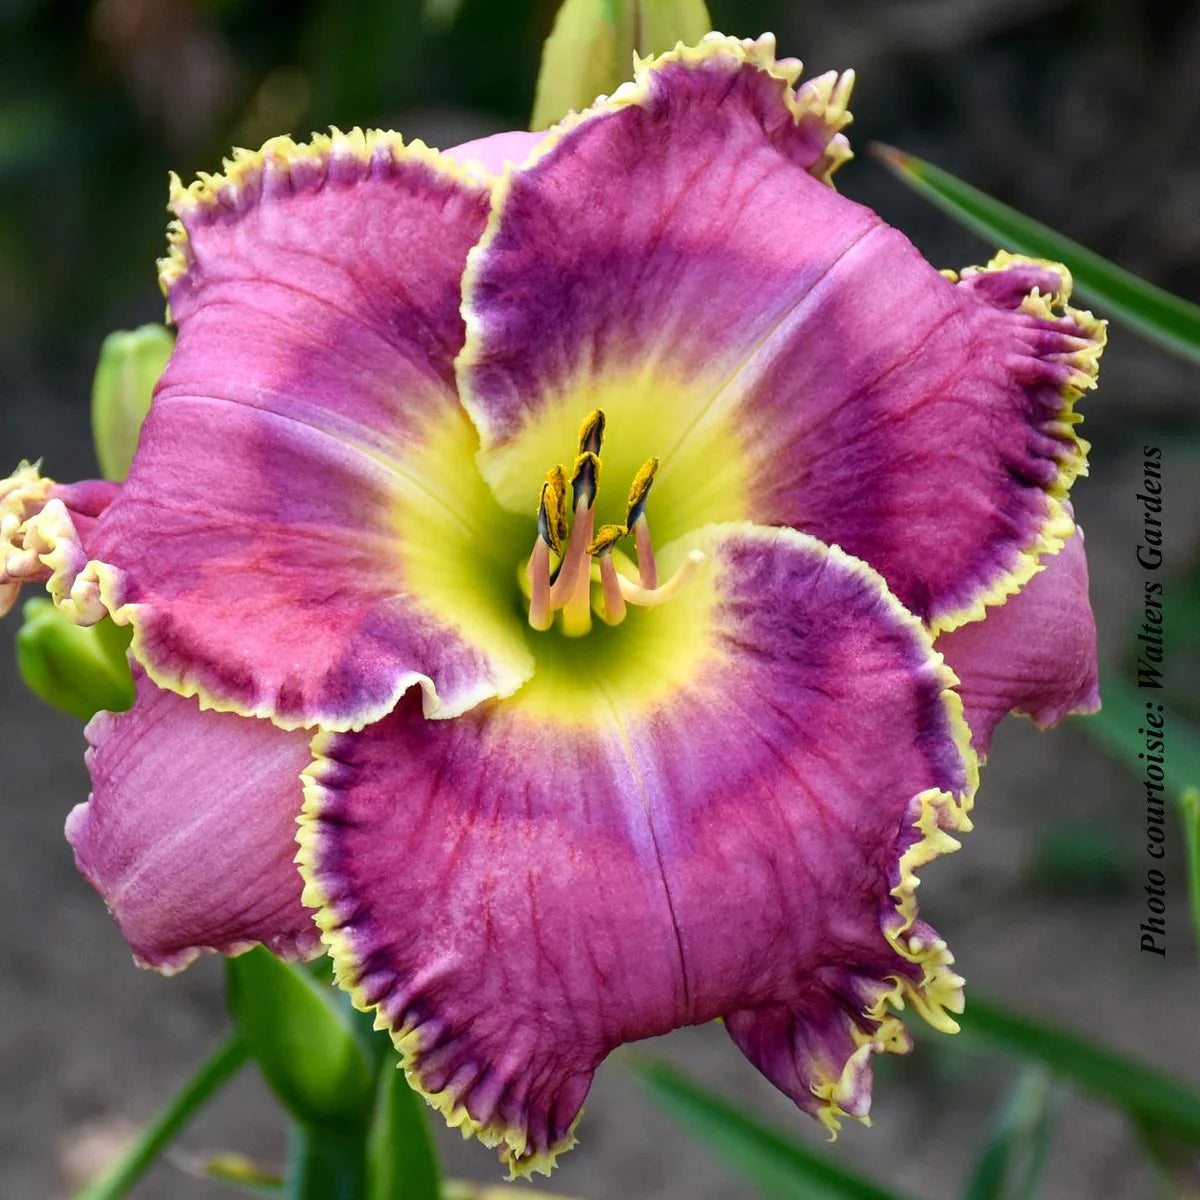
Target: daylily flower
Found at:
x=612, y=598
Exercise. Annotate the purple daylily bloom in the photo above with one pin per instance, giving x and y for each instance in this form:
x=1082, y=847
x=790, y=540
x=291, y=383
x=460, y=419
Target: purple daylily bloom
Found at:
x=419, y=424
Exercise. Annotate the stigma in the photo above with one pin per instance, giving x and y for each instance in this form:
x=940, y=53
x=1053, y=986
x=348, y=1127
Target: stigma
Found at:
x=576, y=569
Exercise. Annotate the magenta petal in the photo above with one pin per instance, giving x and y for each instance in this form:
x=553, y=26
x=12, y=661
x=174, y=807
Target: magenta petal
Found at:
x=189, y=834
x=669, y=257
x=495, y=152
x=727, y=820
x=306, y=440
x=1035, y=654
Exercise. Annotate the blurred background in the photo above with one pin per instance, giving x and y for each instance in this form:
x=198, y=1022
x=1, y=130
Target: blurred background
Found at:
x=1083, y=113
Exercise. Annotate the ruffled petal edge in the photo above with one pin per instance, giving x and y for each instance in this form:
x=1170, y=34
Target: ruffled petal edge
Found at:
x=511, y=1142
x=40, y=542
x=1075, y=343
x=933, y=818
x=247, y=172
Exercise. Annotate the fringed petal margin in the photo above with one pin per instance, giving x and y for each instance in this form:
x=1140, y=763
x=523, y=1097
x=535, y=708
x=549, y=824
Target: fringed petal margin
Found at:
x=188, y=832
x=789, y=359
x=303, y=535
x=718, y=809
x=1056, y=358
x=45, y=530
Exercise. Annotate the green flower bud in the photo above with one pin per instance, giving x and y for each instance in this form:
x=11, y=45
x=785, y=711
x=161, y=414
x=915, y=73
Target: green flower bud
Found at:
x=78, y=670
x=129, y=367
x=590, y=51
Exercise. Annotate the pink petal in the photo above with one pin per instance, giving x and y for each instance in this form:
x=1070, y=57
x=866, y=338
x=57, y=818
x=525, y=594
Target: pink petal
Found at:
x=305, y=446
x=1035, y=654
x=719, y=811
x=189, y=834
x=670, y=258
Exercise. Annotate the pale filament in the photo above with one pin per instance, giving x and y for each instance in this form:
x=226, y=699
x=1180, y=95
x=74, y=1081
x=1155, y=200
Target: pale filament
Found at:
x=570, y=590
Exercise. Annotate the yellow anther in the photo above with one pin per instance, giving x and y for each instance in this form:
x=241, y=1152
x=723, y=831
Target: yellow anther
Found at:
x=606, y=538
x=585, y=478
x=591, y=432
x=552, y=510
x=640, y=489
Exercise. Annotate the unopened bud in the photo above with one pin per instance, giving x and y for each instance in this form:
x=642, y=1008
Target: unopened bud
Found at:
x=79, y=670
x=590, y=50
x=129, y=367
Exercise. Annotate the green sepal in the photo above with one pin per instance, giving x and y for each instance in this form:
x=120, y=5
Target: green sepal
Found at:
x=129, y=367
x=304, y=1043
x=78, y=670
x=590, y=50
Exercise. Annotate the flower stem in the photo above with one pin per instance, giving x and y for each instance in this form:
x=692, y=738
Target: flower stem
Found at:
x=221, y=1066
x=327, y=1163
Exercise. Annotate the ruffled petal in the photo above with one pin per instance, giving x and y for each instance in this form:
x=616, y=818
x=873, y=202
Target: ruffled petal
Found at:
x=303, y=534
x=717, y=808
x=189, y=833
x=668, y=257
x=1035, y=654
x=46, y=530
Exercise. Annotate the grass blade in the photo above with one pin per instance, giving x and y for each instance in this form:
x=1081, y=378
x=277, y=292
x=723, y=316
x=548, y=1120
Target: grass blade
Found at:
x=1123, y=1082
x=1164, y=318
x=779, y=1167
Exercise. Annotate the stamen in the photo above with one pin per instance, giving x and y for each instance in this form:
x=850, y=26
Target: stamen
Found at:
x=552, y=510
x=576, y=575
x=635, y=520
x=647, y=566
x=648, y=597
x=575, y=544
x=612, y=611
x=614, y=603
x=639, y=490
x=585, y=478
x=541, y=615
x=607, y=537
x=591, y=432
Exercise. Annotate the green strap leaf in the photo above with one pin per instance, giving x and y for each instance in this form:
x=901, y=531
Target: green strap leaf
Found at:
x=1115, y=729
x=590, y=50
x=303, y=1042
x=1014, y=1156
x=217, y=1070
x=1169, y=320
x=1122, y=1082
x=402, y=1160
x=1191, y=825
x=779, y=1167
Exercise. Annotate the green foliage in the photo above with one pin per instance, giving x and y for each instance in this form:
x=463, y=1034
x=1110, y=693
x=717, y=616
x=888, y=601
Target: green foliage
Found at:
x=779, y=1167
x=1013, y=1159
x=1164, y=318
x=1191, y=824
x=1122, y=1082
x=212, y=1075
